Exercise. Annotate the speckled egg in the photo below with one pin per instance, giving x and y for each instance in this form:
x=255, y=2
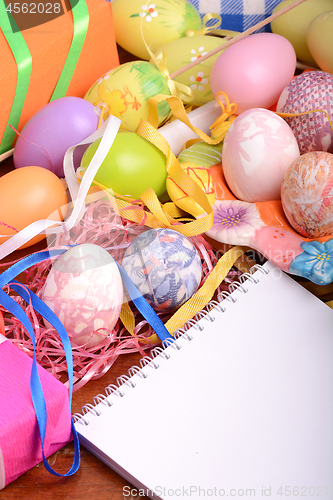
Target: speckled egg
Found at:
x=307, y=194
x=312, y=90
x=257, y=150
x=165, y=266
x=84, y=289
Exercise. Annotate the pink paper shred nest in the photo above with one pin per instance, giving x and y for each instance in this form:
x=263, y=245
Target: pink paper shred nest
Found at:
x=99, y=225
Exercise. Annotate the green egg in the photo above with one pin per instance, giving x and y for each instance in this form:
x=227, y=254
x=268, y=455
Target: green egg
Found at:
x=131, y=166
x=202, y=154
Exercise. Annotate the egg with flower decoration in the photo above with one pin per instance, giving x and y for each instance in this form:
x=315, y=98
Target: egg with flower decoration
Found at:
x=183, y=51
x=138, y=23
x=126, y=90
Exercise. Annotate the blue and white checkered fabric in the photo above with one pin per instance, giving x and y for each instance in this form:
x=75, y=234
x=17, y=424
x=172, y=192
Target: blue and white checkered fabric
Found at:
x=237, y=15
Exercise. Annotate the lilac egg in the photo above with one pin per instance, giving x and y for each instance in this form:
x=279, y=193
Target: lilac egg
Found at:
x=56, y=127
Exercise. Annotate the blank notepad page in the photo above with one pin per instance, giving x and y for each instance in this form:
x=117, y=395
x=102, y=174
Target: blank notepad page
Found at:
x=243, y=409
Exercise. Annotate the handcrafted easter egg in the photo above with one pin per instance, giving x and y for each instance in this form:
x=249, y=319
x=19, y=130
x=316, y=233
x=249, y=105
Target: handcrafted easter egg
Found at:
x=294, y=24
x=183, y=51
x=126, y=90
x=306, y=194
x=131, y=166
x=165, y=266
x=27, y=195
x=258, y=148
x=84, y=289
x=319, y=37
x=195, y=161
x=52, y=130
x=312, y=90
x=161, y=22
x=254, y=71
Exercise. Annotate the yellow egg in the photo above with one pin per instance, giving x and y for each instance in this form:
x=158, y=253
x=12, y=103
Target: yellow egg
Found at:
x=185, y=50
x=126, y=90
x=319, y=37
x=161, y=22
x=29, y=194
x=294, y=24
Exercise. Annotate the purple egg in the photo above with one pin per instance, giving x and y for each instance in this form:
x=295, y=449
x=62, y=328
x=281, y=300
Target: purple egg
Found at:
x=56, y=127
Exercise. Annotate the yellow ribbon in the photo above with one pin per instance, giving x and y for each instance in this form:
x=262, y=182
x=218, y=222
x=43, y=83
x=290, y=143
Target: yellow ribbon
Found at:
x=220, y=126
x=206, y=29
x=176, y=88
x=201, y=298
x=212, y=29
x=291, y=115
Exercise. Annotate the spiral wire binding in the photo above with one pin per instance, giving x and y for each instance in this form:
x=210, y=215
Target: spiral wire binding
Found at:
x=160, y=352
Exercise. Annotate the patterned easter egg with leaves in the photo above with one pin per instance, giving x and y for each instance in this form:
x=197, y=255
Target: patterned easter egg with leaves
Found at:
x=126, y=90
x=157, y=21
x=181, y=52
x=165, y=266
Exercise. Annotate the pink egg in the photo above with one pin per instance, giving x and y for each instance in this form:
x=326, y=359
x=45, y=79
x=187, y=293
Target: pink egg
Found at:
x=84, y=289
x=257, y=150
x=312, y=90
x=254, y=71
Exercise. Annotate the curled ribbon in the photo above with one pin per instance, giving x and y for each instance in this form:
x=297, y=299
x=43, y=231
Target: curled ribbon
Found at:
x=292, y=115
x=220, y=126
x=176, y=88
x=222, y=123
x=206, y=29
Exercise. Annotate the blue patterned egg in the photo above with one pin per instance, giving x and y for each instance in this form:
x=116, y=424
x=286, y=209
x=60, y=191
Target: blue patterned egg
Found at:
x=165, y=266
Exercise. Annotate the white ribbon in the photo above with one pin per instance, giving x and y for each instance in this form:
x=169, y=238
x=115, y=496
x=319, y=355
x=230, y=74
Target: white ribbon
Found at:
x=78, y=191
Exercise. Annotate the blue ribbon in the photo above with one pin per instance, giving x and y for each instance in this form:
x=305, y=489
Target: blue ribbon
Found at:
x=37, y=395
x=36, y=389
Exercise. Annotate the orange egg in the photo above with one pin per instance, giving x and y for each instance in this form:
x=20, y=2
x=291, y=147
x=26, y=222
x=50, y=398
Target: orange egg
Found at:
x=27, y=195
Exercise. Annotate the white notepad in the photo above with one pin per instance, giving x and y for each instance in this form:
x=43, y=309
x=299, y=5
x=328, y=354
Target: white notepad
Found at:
x=244, y=409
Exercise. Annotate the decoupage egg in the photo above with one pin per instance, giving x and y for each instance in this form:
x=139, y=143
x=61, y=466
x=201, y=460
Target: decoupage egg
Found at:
x=27, y=195
x=319, y=37
x=258, y=148
x=132, y=165
x=307, y=194
x=312, y=90
x=165, y=266
x=126, y=90
x=84, y=289
x=294, y=24
x=185, y=50
x=161, y=21
x=254, y=71
x=55, y=128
